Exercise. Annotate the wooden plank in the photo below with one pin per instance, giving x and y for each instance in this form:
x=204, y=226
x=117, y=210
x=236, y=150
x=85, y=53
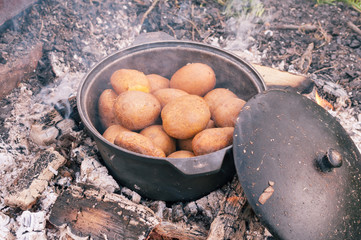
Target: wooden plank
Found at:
x=13, y=72
x=11, y=8
x=276, y=79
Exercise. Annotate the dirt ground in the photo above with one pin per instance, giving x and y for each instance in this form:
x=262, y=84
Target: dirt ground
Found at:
x=83, y=32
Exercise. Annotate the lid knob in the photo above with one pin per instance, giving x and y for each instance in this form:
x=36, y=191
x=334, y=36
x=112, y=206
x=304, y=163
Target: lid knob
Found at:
x=332, y=159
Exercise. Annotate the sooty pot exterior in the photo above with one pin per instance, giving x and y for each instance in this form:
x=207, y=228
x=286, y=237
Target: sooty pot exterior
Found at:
x=163, y=178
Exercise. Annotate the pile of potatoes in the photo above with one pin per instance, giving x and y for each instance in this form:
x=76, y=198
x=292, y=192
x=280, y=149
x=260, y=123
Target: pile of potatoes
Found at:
x=177, y=118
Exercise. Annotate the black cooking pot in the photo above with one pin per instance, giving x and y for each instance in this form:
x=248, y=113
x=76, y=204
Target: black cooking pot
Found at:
x=166, y=179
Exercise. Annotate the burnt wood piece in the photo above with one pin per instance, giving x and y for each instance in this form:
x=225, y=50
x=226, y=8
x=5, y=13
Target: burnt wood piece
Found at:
x=9, y=9
x=82, y=211
x=28, y=187
x=276, y=79
x=181, y=231
x=99, y=215
x=13, y=72
x=229, y=222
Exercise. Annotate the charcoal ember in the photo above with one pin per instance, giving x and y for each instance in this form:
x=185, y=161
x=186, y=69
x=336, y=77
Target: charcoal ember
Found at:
x=30, y=184
x=355, y=43
x=130, y=194
x=158, y=207
x=204, y=207
x=177, y=212
x=232, y=217
x=87, y=148
x=214, y=200
x=191, y=209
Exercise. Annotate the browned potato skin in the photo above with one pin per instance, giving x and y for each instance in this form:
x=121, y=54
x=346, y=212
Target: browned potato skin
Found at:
x=124, y=80
x=181, y=154
x=105, y=108
x=157, y=82
x=185, y=116
x=160, y=138
x=194, y=78
x=136, y=110
x=112, y=132
x=185, y=144
x=138, y=143
x=225, y=115
x=212, y=139
x=166, y=95
x=217, y=96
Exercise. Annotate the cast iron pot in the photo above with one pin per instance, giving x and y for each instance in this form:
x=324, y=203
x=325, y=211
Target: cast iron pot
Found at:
x=166, y=178
x=299, y=169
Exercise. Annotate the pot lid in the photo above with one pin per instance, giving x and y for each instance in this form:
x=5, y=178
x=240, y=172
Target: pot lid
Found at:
x=298, y=167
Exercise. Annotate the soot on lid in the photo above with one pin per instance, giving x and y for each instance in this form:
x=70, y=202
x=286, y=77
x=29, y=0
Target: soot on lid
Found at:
x=298, y=167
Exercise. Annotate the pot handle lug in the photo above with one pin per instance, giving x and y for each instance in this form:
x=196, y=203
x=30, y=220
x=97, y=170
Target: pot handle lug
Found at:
x=332, y=159
x=200, y=164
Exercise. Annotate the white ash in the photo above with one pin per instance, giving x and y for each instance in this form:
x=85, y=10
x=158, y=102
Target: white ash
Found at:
x=92, y=172
x=351, y=122
x=17, y=149
x=43, y=137
x=65, y=181
x=48, y=199
x=7, y=162
x=63, y=88
x=6, y=224
x=31, y=226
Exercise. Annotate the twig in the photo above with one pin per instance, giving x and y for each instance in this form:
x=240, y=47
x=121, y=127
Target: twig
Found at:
x=192, y=12
x=303, y=27
x=148, y=11
x=41, y=27
x=306, y=56
x=324, y=35
x=193, y=24
x=174, y=34
x=354, y=27
x=323, y=69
